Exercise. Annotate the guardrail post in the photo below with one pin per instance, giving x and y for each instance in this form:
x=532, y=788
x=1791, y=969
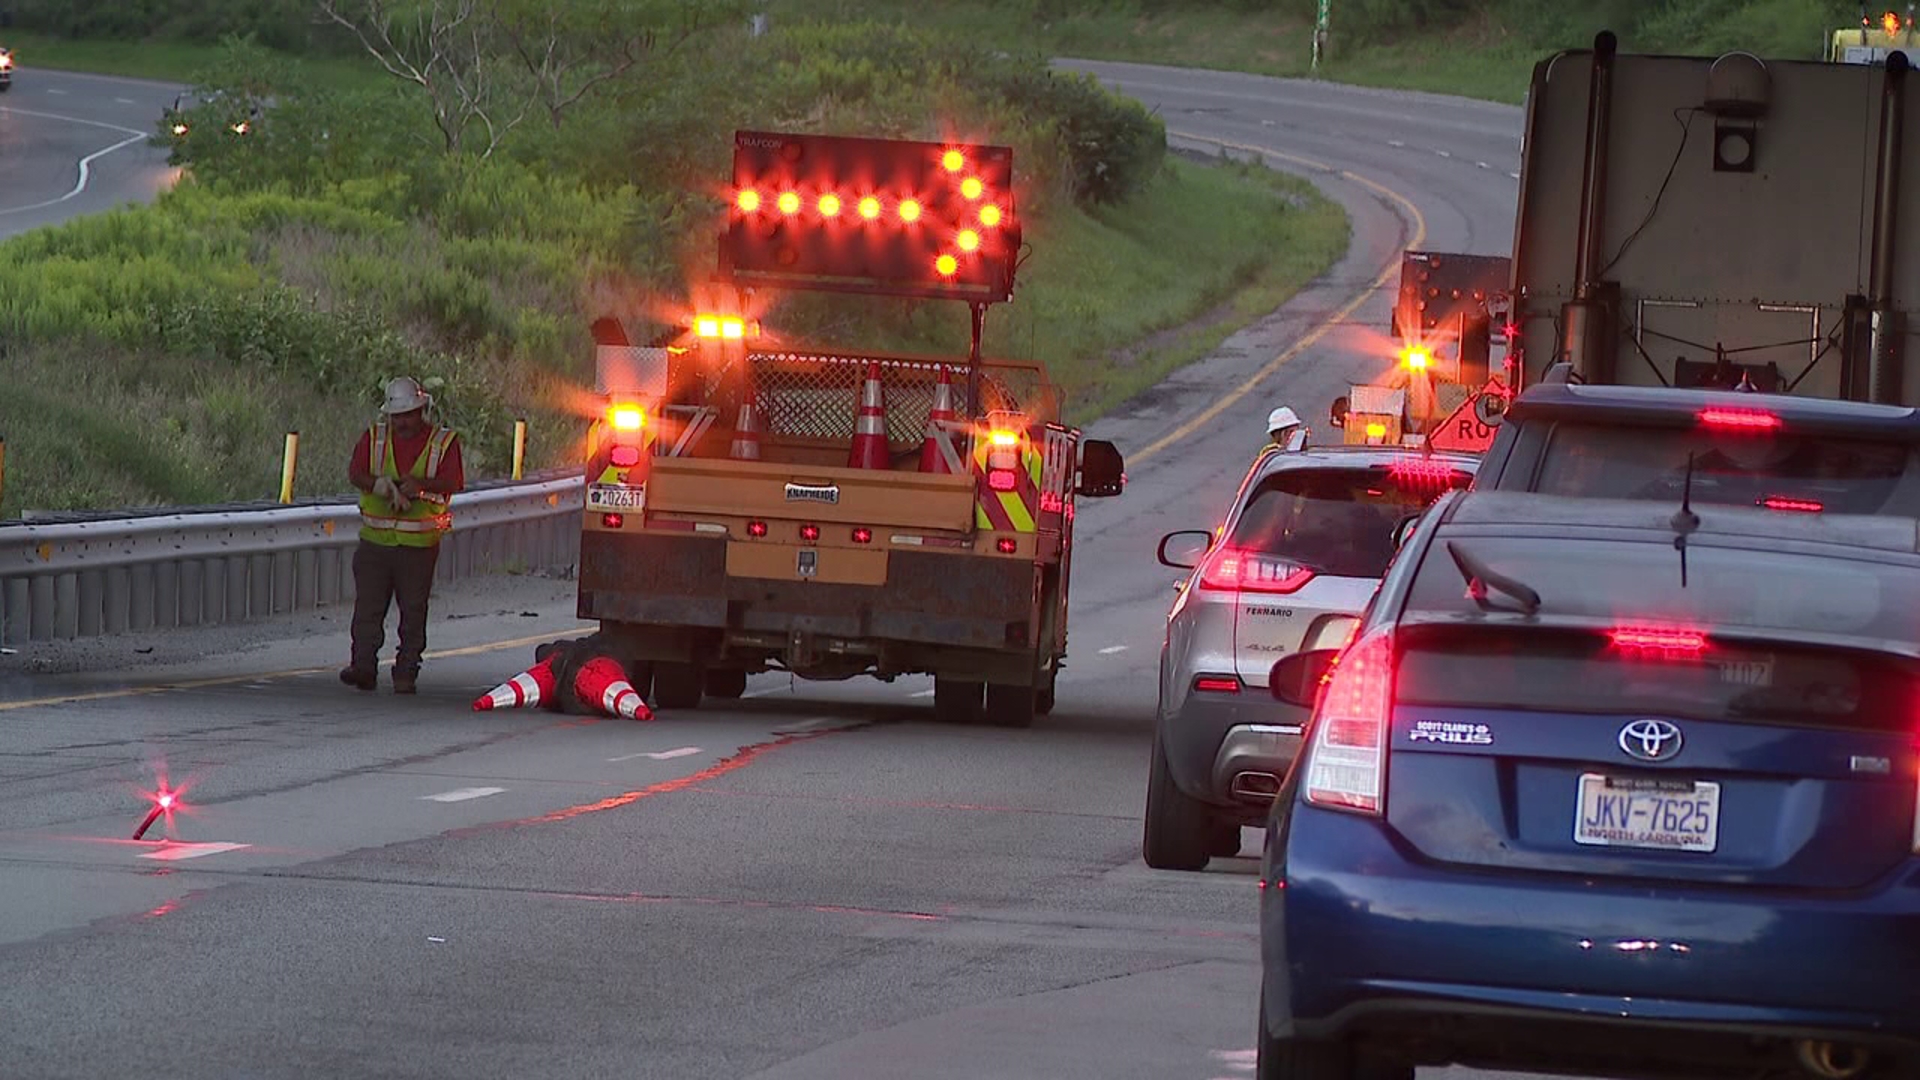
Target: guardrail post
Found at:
x=143, y=595
x=66, y=606
x=519, y=449
x=18, y=626
x=235, y=571
x=118, y=603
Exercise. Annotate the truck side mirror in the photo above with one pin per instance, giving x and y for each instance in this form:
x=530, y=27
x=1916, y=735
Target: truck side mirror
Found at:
x=1183, y=550
x=1102, y=470
x=1295, y=679
x=1338, y=414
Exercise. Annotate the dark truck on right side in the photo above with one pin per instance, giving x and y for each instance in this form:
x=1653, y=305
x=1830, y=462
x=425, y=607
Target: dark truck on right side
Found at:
x=1709, y=289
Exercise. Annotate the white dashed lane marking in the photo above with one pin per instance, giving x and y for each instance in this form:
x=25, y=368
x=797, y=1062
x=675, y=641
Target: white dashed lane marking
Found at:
x=659, y=755
x=1111, y=649
x=465, y=793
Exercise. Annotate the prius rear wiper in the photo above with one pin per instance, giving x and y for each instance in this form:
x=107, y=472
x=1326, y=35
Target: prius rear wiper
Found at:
x=1480, y=576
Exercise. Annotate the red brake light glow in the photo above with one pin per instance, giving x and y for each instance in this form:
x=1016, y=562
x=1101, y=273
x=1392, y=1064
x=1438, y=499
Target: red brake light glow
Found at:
x=1006, y=545
x=1755, y=420
x=1346, y=761
x=1216, y=684
x=1674, y=643
x=612, y=521
x=1426, y=472
x=1785, y=502
x=1243, y=571
x=1001, y=479
x=624, y=456
x=809, y=533
x=863, y=535
x=756, y=528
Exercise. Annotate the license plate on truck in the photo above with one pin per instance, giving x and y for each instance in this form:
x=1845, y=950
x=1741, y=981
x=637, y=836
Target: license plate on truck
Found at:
x=1664, y=815
x=616, y=497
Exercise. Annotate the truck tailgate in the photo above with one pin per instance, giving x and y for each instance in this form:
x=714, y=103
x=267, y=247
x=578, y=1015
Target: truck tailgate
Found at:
x=815, y=493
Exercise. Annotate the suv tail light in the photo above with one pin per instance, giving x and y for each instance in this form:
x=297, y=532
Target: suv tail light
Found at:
x=1346, y=766
x=1244, y=571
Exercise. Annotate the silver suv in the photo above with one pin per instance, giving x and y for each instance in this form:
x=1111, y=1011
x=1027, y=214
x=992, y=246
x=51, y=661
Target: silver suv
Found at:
x=1309, y=536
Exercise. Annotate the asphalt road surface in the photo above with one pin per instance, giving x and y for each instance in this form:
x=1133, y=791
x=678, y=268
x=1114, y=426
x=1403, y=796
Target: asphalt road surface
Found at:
x=76, y=144
x=815, y=882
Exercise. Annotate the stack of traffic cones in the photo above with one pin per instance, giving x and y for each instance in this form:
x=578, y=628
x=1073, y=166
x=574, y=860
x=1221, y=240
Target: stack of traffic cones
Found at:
x=934, y=453
x=603, y=682
x=870, y=426
x=534, y=686
x=746, y=435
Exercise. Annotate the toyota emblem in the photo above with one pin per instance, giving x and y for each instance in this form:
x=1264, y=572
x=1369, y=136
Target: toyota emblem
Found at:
x=1650, y=740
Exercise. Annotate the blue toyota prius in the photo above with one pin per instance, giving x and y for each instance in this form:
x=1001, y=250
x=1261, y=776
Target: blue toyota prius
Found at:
x=1607, y=788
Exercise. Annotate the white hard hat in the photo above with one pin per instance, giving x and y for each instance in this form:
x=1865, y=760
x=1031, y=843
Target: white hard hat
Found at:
x=1281, y=417
x=404, y=395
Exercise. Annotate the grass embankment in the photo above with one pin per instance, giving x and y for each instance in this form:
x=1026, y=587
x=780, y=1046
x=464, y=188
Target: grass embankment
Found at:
x=1475, y=48
x=158, y=354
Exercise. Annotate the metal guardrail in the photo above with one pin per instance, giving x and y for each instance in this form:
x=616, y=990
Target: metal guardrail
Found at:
x=66, y=579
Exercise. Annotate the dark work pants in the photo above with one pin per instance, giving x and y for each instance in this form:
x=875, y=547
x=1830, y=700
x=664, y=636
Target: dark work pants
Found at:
x=380, y=575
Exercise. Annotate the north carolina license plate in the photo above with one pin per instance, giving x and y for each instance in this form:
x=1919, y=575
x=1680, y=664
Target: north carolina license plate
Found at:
x=616, y=497
x=1664, y=815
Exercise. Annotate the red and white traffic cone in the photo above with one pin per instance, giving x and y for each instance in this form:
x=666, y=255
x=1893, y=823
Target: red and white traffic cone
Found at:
x=934, y=453
x=603, y=682
x=870, y=426
x=525, y=690
x=746, y=435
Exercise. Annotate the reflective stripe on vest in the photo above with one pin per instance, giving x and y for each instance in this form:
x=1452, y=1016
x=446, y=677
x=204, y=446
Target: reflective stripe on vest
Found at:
x=426, y=518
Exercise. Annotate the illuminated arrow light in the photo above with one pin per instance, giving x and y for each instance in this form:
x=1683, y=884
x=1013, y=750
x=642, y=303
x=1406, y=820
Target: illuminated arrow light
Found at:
x=968, y=240
x=947, y=265
x=953, y=161
x=748, y=201
x=870, y=208
x=971, y=187
x=829, y=205
x=789, y=202
x=909, y=210
x=990, y=215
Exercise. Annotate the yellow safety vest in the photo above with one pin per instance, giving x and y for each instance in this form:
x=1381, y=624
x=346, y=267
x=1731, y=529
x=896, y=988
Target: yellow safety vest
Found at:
x=426, y=518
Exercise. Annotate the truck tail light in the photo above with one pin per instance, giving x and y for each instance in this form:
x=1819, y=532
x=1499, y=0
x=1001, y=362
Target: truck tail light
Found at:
x=1216, y=684
x=809, y=533
x=1006, y=545
x=1001, y=480
x=612, y=521
x=756, y=528
x=863, y=535
x=1346, y=764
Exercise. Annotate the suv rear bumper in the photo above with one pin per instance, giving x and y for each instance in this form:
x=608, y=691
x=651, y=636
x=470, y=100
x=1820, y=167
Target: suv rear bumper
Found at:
x=1215, y=737
x=1361, y=937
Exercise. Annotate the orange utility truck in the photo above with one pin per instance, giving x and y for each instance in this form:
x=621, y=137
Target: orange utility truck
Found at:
x=833, y=511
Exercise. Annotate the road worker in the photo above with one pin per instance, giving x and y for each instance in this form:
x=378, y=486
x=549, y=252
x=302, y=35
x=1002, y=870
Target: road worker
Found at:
x=406, y=469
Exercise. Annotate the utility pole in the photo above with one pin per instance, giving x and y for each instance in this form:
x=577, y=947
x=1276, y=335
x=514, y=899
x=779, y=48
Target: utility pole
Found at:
x=1320, y=33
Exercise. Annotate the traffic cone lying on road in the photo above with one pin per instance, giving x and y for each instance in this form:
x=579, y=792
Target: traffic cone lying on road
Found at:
x=603, y=682
x=870, y=426
x=532, y=687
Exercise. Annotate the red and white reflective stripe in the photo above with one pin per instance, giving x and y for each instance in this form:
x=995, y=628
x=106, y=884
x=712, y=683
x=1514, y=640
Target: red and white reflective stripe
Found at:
x=621, y=699
x=437, y=523
x=437, y=449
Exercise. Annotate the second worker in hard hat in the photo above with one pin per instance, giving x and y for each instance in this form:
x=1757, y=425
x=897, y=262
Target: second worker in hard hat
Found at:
x=1281, y=425
x=407, y=469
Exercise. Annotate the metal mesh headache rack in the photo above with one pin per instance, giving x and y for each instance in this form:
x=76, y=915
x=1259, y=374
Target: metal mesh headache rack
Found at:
x=806, y=394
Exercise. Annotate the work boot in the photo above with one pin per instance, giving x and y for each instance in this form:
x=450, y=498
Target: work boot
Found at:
x=403, y=681
x=359, y=678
